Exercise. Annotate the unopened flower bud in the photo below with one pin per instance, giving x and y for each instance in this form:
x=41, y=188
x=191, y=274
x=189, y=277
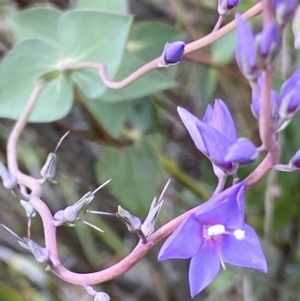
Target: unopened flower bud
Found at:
x=173, y=53
x=268, y=43
x=48, y=171
x=295, y=160
x=226, y=6
x=30, y=211
x=284, y=11
x=9, y=180
x=290, y=96
x=296, y=28
x=132, y=222
x=245, y=52
x=255, y=105
x=100, y=296
x=41, y=254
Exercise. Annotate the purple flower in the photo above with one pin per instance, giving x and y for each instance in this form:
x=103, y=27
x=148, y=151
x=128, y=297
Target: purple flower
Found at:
x=214, y=235
x=268, y=43
x=290, y=96
x=226, y=6
x=284, y=10
x=173, y=53
x=245, y=52
x=216, y=137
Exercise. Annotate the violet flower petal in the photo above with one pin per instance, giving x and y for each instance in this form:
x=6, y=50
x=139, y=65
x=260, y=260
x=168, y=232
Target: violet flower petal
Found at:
x=216, y=145
x=243, y=151
x=190, y=122
x=203, y=269
x=221, y=120
x=176, y=245
x=227, y=208
x=244, y=252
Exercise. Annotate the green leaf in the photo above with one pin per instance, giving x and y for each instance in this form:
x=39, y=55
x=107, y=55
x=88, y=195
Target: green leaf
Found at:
x=152, y=82
x=55, y=101
x=36, y=23
x=135, y=174
x=142, y=114
x=147, y=39
x=110, y=115
x=114, y=6
x=223, y=49
x=93, y=36
x=23, y=65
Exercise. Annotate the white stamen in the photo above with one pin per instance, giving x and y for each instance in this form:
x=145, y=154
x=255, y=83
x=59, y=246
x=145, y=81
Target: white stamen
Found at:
x=215, y=230
x=239, y=234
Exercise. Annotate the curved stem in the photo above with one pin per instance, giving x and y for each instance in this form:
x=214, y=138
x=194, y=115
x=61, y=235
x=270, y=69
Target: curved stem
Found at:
x=210, y=38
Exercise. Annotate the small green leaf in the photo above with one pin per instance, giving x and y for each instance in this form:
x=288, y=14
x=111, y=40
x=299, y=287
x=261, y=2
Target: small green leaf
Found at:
x=142, y=114
x=114, y=6
x=36, y=23
x=152, y=82
x=223, y=49
x=55, y=101
x=23, y=65
x=135, y=174
x=96, y=36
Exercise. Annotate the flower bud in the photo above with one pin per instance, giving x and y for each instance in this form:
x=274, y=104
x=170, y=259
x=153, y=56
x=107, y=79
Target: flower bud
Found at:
x=268, y=43
x=290, y=96
x=255, y=104
x=245, y=52
x=9, y=180
x=226, y=6
x=295, y=160
x=41, y=254
x=100, y=296
x=284, y=11
x=132, y=223
x=48, y=171
x=173, y=53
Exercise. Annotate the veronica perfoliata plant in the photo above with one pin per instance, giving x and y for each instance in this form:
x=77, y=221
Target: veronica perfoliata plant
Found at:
x=84, y=53
x=213, y=235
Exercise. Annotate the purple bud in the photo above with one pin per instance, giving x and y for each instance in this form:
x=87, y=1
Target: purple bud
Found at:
x=290, y=96
x=243, y=151
x=284, y=11
x=245, y=52
x=268, y=43
x=48, y=171
x=10, y=181
x=173, y=53
x=295, y=160
x=226, y=6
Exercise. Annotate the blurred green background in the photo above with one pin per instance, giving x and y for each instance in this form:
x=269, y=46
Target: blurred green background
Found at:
x=135, y=137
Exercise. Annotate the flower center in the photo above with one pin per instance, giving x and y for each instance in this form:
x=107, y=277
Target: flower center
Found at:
x=215, y=230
